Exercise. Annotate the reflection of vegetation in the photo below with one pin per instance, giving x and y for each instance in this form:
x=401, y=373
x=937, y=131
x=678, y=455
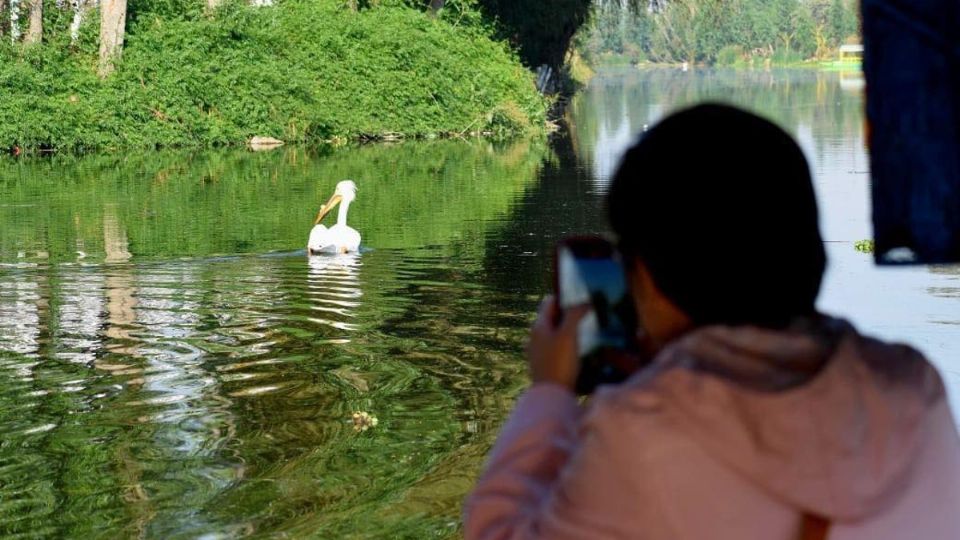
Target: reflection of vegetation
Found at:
x=436, y=372
x=432, y=354
x=795, y=99
x=864, y=246
x=61, y=479
x=110, y=458
x=263, y=440
x=179, y=204
x=565, y=201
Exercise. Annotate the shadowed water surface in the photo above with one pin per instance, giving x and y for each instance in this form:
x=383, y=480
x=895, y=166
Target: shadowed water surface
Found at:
x=173, y=365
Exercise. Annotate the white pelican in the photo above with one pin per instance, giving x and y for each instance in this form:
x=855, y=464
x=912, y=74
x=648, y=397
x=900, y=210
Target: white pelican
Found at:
x=340, y=238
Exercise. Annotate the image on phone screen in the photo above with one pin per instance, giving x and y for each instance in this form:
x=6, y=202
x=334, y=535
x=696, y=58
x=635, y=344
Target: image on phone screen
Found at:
x=601, y=282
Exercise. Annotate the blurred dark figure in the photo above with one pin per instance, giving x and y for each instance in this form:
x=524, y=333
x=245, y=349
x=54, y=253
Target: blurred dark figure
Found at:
x=912, y=66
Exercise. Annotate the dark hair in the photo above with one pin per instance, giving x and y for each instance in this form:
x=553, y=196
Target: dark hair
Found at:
x=719, y=205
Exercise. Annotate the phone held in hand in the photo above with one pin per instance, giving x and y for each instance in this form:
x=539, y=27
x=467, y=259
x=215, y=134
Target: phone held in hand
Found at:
x=589, y=270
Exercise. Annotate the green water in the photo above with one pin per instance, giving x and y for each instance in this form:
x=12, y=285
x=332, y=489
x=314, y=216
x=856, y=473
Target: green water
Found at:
x=172, y=364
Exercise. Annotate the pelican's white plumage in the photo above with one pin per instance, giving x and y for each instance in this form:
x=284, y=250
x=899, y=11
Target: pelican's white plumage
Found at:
x=340, y=238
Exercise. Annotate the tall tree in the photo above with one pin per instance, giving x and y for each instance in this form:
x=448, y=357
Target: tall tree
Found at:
x=4, y=17
x=80, y=10
x=113, y=25
x=842, y=22
x=34, y=33
x=675, y=32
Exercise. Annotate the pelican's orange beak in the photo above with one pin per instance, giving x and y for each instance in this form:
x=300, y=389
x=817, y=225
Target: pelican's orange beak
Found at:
x=327, y=207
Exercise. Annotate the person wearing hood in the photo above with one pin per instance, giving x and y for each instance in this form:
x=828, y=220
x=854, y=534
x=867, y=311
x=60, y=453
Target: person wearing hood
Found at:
x=758, y=417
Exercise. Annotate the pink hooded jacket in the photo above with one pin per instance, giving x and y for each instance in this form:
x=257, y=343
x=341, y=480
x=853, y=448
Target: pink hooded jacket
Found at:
x=724, y=437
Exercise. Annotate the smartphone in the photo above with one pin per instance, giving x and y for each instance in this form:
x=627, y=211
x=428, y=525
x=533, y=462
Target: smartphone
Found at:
x=589, y=270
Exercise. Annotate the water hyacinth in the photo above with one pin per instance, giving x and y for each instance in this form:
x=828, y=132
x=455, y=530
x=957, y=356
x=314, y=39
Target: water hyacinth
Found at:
x=363, y=421
x=864, y=246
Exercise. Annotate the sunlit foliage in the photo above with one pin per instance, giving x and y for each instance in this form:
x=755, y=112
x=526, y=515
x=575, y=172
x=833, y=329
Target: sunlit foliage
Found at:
x=717, y=31
x=301, y=70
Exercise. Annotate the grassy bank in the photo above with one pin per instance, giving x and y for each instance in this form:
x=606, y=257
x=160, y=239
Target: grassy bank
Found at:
x=300, y=71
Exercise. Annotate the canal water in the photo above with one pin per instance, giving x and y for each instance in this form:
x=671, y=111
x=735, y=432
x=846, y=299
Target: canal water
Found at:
x=172, y=365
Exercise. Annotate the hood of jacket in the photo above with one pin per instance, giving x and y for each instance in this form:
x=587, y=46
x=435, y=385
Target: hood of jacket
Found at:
x=821, y=417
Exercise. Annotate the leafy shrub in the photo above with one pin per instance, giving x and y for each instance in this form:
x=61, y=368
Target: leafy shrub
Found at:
x=786, y=56
x=303, y=70
x=578, y=69
x=864, y=246
x=613, y=59
x=729, y=55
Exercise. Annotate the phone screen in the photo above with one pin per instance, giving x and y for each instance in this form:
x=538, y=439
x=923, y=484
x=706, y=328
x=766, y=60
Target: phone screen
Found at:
x=590, y=271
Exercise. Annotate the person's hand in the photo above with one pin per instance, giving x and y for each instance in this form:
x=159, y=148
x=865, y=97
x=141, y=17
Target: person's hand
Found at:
x=552, y=348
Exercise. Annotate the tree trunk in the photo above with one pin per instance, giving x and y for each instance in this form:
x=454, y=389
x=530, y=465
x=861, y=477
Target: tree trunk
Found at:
x=80, y=10
x=214, y=4
x=435, y=6
x=113, y=23
x=4, y=17
x=34, y=32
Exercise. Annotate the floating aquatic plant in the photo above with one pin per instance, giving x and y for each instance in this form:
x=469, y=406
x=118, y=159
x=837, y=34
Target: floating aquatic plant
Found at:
x=363, y=421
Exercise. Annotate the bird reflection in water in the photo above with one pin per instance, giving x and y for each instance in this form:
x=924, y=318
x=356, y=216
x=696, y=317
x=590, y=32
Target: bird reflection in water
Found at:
x=333, y=288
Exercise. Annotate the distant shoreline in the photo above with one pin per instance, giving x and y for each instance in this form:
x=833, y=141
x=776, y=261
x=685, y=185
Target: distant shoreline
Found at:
x=755, y=64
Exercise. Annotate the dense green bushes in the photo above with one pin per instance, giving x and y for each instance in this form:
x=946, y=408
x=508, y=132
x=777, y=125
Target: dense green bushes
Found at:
x=718, y=31
x=302, y=70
